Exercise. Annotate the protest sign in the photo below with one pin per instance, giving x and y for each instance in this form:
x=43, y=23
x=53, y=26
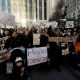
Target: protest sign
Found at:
x=65, y=52
x=53, y=24
x=61, y=23
x=61, y=39
x=36, y=55
x=36, y=39
x=69, y=24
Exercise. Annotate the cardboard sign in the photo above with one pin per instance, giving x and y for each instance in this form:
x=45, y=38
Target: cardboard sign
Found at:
x=36, y=55
x=36, y=39
x=61, y=39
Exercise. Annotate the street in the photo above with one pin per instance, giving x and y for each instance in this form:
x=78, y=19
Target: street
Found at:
x=37, y=74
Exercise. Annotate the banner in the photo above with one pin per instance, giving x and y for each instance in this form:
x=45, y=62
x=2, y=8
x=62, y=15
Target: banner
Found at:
x=36, y=55
x=69, y=24
x=36, y=39
x=61, y=39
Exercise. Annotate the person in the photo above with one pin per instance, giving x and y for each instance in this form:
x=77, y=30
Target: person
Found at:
x=12, y=41
x=5, y=33
x=78, y=51
x=0, y=35
x=19, y=70
x=30, y=36
x=23, y=40
x=43, y=39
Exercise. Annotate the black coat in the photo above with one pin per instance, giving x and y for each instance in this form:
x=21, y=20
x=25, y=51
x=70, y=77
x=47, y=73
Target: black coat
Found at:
x=23, y=40
x=17, y=72
x=12, y=43
x=43, y=40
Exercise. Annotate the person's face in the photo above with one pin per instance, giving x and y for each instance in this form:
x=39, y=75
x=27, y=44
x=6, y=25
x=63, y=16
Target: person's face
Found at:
x=26, y=32
x=33, y=29
x=19, y=64
x=43, y=32
x=6, y=32
x=14, y=34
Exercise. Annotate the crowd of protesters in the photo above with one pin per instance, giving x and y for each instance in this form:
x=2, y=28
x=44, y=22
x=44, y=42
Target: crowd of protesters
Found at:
x=24, y=37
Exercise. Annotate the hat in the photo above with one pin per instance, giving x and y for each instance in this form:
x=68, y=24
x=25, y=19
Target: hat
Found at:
x=18, y=59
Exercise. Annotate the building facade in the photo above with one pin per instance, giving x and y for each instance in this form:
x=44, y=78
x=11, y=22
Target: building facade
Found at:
x=31, y=10
x=73, y=8
x=5, y=6
x=28, y=10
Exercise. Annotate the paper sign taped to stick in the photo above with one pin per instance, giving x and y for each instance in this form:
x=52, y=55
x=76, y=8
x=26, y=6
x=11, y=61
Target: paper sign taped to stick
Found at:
x=36, y=39
x=36, y=55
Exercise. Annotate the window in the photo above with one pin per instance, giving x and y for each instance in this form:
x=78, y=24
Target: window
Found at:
x=30, y=11
x=45, y=9
x=9, y=6
x=40, y=9
x=36, y=9
x=3, y=5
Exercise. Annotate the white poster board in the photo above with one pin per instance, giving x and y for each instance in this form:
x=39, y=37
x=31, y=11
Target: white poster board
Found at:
x=65, y=52
x=54, y=24
x=36, y=39
x=69, y=24
x=36, y=55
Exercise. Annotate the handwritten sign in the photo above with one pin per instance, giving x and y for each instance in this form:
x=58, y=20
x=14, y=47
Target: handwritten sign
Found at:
x=61, y=39
x=36, y=55
x=36, y=39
